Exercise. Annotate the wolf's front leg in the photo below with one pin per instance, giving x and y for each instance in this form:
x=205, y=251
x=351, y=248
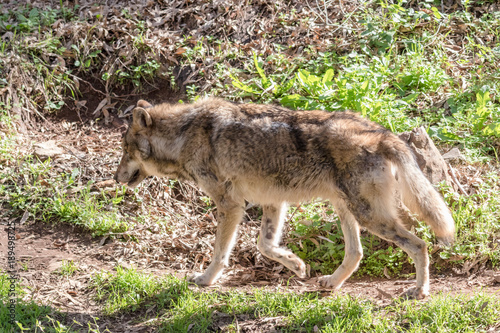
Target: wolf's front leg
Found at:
x=353, y=248
x=230, y=214
x=273, y=218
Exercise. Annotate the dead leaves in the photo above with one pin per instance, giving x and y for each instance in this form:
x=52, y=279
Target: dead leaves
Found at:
x=104, y=108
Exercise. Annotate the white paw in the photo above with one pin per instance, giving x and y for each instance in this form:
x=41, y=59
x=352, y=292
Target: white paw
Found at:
x=299, y=268
x=199, y=279
x=328, y=282
x=415, y=293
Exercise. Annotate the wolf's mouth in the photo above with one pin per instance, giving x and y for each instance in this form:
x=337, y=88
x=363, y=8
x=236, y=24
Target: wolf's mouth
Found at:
x=135, y=176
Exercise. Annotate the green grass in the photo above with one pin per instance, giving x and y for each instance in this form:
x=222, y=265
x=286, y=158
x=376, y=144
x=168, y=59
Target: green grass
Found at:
x=128, y=290
x=478, y=222
x=179, y=308
x=446, y=313
x=68, y=268
x=29, y=19
x=174, y=307
x=8, y=137
x=29, y=316
x=28, y=186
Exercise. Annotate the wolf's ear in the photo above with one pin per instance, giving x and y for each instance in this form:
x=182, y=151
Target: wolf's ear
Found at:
x=143, y=104
x=141, y=118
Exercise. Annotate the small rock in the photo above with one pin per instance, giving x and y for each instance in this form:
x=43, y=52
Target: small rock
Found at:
x=54, y=265
x=48, y=149
x=453, y=155
x=105, y=183
x=428, y=157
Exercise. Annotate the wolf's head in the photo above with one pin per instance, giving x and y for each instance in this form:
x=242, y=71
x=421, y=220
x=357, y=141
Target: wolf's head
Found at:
x=136, y=147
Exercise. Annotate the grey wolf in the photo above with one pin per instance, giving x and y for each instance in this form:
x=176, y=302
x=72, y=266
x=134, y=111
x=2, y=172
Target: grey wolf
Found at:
x=272, y=156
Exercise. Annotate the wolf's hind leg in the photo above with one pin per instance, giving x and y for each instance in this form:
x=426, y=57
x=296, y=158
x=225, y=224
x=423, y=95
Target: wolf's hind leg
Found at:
x=230, y=214
x=273, y=218
x=353, y=249
x=416, y=249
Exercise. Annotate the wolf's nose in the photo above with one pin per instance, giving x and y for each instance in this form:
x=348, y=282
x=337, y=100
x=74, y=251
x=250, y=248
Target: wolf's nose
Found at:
x=116, y=178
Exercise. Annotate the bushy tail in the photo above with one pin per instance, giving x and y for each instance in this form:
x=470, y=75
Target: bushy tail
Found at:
x=418, y=194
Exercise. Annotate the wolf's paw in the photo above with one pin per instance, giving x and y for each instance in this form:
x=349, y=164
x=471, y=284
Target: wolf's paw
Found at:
x=327, y=282
x=199, y=279
x=299, y=268
x=415, y=293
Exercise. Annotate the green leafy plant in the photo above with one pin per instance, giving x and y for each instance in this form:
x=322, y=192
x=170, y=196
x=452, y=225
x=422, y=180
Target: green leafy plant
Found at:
x=383, y=262
x=263, y=85
x=357, y=87
x=139, y=73
x=483, y=113
x=68, y=268
x=86, y=61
